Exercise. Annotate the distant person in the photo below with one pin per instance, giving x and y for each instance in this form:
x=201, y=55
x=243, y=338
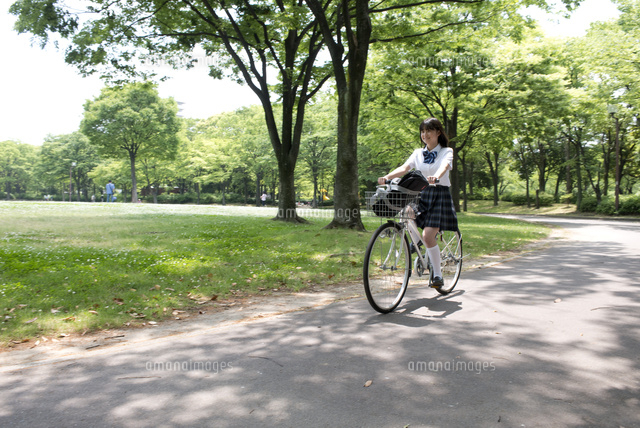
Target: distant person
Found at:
x=110, y=188
x=263, y=198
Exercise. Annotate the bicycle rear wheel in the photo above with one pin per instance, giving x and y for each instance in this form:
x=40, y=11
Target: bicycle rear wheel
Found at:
x=387, y=267
x=450, y=244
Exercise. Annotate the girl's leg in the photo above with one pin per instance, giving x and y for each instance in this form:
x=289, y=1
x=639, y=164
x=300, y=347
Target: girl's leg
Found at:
x=429, y=238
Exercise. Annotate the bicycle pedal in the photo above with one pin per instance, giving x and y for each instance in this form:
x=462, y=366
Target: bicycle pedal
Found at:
x=436, y=282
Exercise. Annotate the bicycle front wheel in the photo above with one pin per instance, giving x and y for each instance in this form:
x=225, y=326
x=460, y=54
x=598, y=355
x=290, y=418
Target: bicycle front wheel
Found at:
x=387, y=267
x=450, y=244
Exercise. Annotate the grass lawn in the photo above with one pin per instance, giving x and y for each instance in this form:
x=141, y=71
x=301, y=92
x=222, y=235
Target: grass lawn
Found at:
x=75, y=267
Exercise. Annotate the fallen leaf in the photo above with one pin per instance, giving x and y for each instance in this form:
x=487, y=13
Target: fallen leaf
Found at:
x=118, y=301
x=214, y=297
x=69, y=319
x=31, y=320
x=93, y=312
x=368, y=383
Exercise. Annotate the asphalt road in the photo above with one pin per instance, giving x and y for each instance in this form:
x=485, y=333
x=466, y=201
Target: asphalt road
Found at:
x=547, y=339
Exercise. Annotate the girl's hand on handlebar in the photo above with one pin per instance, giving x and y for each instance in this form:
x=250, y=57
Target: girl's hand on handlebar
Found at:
x=382, y=180
x=433, y=180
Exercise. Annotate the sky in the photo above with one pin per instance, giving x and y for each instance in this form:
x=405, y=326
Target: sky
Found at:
x=41, y=95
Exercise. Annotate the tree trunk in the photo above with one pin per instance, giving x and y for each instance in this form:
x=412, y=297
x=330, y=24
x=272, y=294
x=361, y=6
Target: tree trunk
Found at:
x=567, y=158
x=134, y=181
x=451, y=128
x=579, y=179
x=349, y=87
x=346, y=202
x=495, y=177
x=464, y=181
x=287, y=191
x=258, y=185
x=542, y=167
x=224, y=197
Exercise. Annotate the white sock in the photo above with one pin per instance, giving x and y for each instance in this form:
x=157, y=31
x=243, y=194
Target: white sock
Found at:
x=434, y=256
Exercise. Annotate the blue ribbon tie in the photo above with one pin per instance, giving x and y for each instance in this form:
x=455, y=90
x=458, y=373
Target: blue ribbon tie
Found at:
x=429, y=157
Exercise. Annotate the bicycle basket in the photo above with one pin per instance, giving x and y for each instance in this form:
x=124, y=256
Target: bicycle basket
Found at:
x=388, y=203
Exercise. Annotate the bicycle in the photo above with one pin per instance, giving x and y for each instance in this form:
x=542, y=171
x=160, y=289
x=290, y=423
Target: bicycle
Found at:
x=387, y=261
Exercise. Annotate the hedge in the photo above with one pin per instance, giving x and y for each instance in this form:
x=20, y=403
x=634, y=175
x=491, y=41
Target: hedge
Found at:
x=521, y=199
x=629, y=205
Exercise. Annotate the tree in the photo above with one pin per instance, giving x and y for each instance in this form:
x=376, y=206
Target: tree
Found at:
x=16, y=165
x=250, y=39
x=57, y=155
x=132, y=120
x=348, y=28
x=318, y=143
x=234, y=145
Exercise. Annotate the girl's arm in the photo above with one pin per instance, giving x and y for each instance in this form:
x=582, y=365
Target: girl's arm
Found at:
x=446, y=165
x=440, y=172
x=398, y=172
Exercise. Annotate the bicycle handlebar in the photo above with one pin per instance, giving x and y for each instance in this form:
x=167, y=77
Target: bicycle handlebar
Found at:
x=437, y=180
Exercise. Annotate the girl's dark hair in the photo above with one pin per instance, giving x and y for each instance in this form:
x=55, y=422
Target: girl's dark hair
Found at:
x=434, y=124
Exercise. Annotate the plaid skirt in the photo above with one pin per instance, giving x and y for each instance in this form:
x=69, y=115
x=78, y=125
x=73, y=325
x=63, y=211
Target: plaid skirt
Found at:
x=436, y=209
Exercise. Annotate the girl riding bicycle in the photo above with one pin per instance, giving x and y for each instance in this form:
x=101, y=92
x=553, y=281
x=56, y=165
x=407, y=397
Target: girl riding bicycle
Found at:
x=435, y=209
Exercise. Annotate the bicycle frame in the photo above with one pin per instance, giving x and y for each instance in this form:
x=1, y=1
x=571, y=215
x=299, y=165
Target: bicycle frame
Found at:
x=410, y=228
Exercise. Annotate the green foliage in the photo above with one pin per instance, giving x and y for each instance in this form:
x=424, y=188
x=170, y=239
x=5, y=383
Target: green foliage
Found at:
x=130, y=122
x=630, y=205
x=481, y=194
x=17, y=161
x=519, y=106
x=568, y=198
x=521, y=199
x=589, y=204
x=607, y=206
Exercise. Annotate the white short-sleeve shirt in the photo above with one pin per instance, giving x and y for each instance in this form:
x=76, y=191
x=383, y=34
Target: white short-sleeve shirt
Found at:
x=444, y=155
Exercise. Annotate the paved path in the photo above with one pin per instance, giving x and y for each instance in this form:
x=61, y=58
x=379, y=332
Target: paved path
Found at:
x=548, y=339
